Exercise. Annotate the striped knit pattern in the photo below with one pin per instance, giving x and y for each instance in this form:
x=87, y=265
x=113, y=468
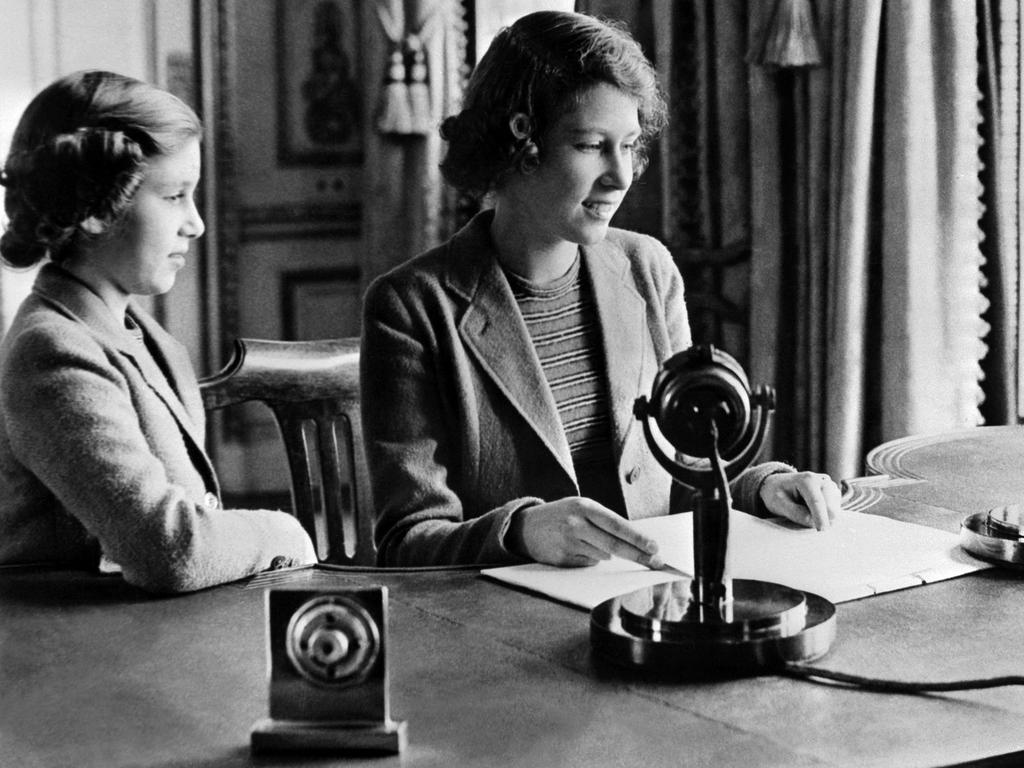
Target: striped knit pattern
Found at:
x=561, y=318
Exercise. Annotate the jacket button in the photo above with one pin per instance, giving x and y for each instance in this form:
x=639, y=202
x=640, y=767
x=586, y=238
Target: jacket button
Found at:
x=632, y=475
x=210, y=501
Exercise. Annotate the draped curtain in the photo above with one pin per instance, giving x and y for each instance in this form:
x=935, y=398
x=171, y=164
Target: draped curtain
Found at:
x=855, y=217
x=1000, y=57
x=695, y=194
x=408, y=207
x=878, y=319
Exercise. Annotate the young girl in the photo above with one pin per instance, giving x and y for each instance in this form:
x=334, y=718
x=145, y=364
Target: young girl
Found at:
x=101, y=421
x=500, y=369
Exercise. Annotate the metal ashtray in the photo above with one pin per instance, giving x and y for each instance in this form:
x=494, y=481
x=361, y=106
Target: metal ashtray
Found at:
x=994, y=536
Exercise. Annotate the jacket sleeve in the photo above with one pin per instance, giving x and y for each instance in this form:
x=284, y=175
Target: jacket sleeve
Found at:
x=746, y=488
x=411, y=449
x=72, y=422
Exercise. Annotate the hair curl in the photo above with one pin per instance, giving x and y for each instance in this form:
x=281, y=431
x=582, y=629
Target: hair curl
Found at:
x=536, y=68
x=79, y=153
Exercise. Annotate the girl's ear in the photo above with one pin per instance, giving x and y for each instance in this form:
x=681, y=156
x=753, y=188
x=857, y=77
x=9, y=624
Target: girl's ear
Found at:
x=92, y=226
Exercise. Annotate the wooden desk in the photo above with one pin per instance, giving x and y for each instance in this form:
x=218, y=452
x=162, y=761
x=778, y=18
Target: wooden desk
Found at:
x=94, y=673
x=962, y=472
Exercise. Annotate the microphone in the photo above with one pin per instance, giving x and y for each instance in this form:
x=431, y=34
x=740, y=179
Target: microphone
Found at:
x=701, y=404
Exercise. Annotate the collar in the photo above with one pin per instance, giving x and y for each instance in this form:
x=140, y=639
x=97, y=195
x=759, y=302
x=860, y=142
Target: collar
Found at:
x=494, y=331
x=76, y=297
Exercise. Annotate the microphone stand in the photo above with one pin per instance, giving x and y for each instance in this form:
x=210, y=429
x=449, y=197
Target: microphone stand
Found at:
x=712, y=585
x=714, y=625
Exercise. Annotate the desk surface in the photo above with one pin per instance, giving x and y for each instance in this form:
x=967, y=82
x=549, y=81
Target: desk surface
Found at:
x=95, y=673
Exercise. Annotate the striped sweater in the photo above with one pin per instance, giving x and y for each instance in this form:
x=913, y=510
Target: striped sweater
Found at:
x=562, y=322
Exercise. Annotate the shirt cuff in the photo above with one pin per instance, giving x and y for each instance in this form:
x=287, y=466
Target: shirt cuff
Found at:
x=506, y=524
x=756, y=476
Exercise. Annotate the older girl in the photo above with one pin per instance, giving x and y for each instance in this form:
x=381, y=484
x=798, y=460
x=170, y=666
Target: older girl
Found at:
x=500, y=369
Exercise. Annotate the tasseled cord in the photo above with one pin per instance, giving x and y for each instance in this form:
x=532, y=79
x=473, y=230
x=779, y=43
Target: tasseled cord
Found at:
x=790, y=38
x=395, y=114
x=405, y=108
x=419, y=87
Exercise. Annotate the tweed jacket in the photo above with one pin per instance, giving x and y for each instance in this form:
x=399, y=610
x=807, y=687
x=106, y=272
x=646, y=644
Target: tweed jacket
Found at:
x=101, y=453
x=460, y=426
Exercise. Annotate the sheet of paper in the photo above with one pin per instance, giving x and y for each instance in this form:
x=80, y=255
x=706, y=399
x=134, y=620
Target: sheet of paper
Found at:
x=859, y=556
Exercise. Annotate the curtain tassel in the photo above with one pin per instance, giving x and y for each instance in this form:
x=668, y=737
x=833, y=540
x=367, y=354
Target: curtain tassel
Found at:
x=419, y=89
x=790, y=38
x=395, y=115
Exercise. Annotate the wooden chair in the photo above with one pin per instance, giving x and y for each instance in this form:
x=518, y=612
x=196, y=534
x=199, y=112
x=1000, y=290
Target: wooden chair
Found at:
x=312, y=387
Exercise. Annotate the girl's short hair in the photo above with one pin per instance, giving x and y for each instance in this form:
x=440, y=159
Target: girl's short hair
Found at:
x=80, y=152
x=536, y=67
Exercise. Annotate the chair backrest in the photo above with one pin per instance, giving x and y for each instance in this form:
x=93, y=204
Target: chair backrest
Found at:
x=312, y=387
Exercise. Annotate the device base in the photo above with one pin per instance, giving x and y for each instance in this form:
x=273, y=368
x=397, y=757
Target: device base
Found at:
x=658, y=630
x=992, y=541
x=271, y=735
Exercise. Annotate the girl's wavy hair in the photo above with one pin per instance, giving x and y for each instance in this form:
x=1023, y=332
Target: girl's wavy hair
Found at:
x=79, y=152
x=536, y=68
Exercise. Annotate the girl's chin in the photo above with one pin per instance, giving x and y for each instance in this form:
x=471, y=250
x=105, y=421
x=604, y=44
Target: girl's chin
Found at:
x=593, y=233
x=161, y=286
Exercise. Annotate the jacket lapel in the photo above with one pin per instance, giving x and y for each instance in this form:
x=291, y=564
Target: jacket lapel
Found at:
x=78, y=299
x=172, y=388
x=627, y=352
x=493, y=331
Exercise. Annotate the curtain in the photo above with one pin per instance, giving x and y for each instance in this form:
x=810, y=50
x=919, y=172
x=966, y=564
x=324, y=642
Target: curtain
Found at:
x=695, y=194
x=999, y=38
x=876, y=330
x=418, y=56
x=844, y=191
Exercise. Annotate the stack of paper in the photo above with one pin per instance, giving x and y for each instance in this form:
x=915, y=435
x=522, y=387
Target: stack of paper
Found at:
x=858, y=556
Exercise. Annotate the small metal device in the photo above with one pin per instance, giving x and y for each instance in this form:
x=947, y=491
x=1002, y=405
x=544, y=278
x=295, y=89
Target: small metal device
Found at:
x=328, y=673
x=712, y=624
x=995, y=536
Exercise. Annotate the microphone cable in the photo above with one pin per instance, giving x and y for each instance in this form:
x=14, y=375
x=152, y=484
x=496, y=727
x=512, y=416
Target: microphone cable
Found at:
x=881, y=685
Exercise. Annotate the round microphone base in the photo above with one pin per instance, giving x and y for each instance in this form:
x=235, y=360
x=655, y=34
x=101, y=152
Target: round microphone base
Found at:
x=662, y=630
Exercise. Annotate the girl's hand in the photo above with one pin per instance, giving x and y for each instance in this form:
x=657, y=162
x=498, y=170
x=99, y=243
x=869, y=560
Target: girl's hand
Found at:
x=808, y=498
x=577, y=531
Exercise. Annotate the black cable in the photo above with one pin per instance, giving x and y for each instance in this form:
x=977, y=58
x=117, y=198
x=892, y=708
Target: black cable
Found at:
x=815, y=674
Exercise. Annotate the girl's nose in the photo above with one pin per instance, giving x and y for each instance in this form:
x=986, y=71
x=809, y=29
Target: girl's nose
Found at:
x=194, y=226
x=620, y=169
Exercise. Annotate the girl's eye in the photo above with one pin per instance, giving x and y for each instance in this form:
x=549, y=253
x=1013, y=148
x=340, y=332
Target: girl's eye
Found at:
x=600, y=146
x=175, y=198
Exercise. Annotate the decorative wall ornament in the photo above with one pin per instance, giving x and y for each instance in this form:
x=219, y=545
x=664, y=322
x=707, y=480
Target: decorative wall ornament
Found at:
x=319, y=97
